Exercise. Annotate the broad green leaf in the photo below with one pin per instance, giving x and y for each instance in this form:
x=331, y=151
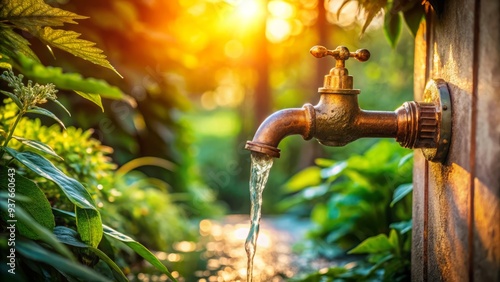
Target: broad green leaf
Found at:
x=394, y=239
x=75, y=192
x=95, y=98
x=373, y=245
x=402, y=226
x=134, y=245
x=413, y=17
x=139, y=249
x=35, y=252
x=37, y=145
x=42, y=111
x=38, y=207
x=44, y=234
x=68, y=41
x=89, y=225
x=68, y=81
x=14, y=98
x=401, y=192
x=26, y=14
x=310, y=176
x=12, y=44
x=392, y=28
x=69, y=236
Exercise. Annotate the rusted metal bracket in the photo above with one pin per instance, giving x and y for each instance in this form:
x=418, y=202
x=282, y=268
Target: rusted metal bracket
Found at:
x=437, y=93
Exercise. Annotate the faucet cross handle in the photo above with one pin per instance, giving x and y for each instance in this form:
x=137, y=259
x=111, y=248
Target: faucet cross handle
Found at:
x=341, y=54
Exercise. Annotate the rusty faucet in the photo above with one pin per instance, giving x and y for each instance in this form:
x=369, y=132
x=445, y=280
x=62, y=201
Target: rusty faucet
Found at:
x=337, y=119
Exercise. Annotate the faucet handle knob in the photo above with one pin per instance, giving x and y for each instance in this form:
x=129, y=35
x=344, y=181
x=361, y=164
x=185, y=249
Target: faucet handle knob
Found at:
x=341, y=53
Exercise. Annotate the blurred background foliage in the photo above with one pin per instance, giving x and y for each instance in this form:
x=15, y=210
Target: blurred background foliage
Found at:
x=199, y=77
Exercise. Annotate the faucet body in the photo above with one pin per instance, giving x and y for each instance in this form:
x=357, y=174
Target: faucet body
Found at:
x=337, y=119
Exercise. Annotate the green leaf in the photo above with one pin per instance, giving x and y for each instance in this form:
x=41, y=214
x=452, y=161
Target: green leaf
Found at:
x=413, y=17
x=324, y=162
x=394, y=239
x=117, y=272
x=402, y=226
x=68, y=41
x=42, y=111
x=38, y=207
x=28, y=13
x=373, y=245
x=95, y=98
x=401, y=192
x=35, y=252
x=14, y=98
x=405, y=159
x=334, y=170
x=12, y=44
x=392, y=28
x=43, y=233
x=89, y=225
x=310, y=176
x=61, y=105
x=37, y=145
x=69, y=236
x=75, y=192
x=5, y=63
x=139, y=249
x=68, y=81
x=134, y=245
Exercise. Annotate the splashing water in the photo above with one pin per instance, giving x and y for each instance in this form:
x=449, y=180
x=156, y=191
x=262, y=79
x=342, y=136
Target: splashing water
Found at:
x=261, y=164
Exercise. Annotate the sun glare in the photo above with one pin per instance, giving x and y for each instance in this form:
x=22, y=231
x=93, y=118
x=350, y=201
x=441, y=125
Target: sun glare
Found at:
x=249, y=10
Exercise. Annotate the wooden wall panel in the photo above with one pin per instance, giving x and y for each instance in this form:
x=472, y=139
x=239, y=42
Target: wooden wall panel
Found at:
x=486, y=201
x=448, y=184
x=419, y=244
x=457, y=204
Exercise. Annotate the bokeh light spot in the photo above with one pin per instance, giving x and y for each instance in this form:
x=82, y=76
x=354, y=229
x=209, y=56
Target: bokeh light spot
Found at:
x=233, y=49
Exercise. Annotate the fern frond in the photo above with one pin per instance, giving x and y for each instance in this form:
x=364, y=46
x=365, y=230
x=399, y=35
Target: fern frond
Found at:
x=68, y=41
x=27, y=14
x=11, y=43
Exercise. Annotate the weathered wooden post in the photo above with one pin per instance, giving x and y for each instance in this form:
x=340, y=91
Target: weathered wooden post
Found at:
x=456, y=210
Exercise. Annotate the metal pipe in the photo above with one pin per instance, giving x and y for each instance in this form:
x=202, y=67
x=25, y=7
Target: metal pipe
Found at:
x=377, y=124
x=281, y=124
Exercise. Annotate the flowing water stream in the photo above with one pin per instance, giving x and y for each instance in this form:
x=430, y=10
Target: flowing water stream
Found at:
x=261, y=164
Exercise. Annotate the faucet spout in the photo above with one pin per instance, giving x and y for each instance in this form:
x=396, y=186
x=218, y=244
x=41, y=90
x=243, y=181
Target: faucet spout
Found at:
x=281, y=124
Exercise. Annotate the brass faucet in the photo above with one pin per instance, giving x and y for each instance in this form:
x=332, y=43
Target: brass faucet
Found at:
x=337, y=119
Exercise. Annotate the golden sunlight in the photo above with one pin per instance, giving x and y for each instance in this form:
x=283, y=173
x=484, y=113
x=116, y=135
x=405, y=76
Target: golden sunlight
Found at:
x=277, y=30
x=249, y=10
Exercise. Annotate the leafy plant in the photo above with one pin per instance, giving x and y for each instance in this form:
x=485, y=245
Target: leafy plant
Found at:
x=36, y=18
x=35, y=216
x=395, y=11
x=365, y=208
x=349, y=200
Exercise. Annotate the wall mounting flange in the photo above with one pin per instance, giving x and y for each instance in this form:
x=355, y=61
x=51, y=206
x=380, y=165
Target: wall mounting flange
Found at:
x=437, y=92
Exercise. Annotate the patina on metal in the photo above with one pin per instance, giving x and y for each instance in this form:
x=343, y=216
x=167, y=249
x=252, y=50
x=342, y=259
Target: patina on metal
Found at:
x=337, y=119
